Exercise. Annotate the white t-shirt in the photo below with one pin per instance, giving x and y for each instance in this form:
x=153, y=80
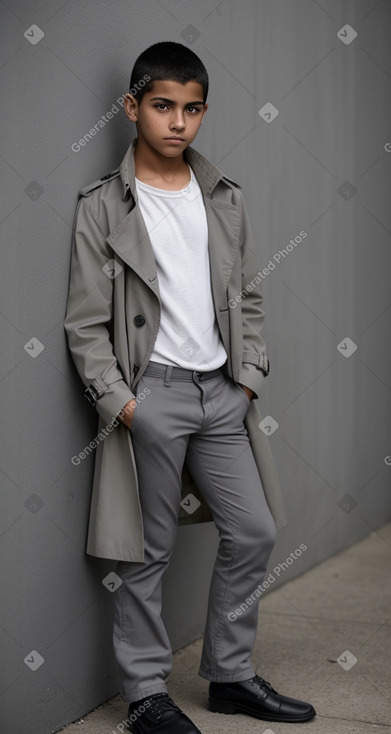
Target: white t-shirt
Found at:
x=177, y=226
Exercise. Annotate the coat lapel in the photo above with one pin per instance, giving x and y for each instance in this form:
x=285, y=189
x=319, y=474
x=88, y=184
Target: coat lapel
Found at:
x=223, y=227
x=130, y=240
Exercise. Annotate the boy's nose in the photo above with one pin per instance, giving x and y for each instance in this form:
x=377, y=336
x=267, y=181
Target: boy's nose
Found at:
x=178, y=123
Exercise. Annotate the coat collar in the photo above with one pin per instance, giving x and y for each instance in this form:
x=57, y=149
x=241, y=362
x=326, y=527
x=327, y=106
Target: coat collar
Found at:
x=206, y=173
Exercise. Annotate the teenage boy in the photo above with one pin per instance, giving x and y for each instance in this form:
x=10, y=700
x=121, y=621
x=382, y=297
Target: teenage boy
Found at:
x=173, y=360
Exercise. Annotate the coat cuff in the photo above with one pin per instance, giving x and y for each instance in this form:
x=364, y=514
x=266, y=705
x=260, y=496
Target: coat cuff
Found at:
x=252, y=378
x=113, y=400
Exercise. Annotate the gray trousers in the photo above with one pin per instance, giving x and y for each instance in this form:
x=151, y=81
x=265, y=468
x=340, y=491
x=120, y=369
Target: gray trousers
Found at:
x=200, y=420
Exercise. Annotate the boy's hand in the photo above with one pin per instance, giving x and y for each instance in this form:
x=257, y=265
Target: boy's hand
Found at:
x=250, y=394
x=126, y=414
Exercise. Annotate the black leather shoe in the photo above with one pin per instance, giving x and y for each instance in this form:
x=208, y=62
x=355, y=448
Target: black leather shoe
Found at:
x=257, y=698
x=158, y=715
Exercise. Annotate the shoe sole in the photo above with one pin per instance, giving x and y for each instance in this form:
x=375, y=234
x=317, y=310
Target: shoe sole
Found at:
x=226, y=707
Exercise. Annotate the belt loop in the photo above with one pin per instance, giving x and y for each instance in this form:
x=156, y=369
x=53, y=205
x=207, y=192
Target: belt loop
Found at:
x=167, y=376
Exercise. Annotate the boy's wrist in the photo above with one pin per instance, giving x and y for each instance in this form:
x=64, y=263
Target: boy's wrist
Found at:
x=250, y=393
x=126, y=414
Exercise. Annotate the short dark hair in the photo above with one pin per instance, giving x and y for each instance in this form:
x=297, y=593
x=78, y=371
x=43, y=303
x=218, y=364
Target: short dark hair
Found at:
x=167, y=60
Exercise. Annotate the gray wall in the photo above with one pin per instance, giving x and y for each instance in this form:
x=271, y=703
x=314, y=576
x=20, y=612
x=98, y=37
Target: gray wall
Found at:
x=333, y=410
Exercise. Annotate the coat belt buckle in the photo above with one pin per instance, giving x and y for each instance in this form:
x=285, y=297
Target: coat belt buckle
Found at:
x=91, y=394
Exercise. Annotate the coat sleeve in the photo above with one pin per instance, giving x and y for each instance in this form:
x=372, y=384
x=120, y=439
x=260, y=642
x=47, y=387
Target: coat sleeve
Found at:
x=255, y=364
x=89, y=316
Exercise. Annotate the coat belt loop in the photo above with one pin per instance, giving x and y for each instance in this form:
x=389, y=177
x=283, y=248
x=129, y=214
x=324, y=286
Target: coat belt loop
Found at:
x=167, y=376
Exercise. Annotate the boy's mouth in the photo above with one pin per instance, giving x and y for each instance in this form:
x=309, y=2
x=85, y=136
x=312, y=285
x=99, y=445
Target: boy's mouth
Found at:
x=175, y=139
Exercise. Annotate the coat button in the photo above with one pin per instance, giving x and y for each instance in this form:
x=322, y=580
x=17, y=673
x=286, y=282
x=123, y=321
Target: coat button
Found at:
x=139, y=320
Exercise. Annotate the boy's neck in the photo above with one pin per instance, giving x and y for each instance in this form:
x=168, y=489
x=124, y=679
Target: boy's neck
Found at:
x=160, y=171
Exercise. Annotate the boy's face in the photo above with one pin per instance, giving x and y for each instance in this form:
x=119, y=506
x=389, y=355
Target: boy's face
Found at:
x=169, y=116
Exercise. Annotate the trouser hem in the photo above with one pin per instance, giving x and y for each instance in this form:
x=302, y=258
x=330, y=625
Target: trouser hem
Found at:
x=227, y=677
x=137, y=695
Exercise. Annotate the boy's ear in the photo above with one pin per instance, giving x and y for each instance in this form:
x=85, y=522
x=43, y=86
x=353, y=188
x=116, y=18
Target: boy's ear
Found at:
x=204, y=112
x=131, y=107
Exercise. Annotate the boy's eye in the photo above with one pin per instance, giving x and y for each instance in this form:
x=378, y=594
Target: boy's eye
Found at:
x=163, y=106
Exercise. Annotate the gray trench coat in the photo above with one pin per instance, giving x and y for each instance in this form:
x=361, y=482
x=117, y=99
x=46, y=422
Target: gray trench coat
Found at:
x=112, y=321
